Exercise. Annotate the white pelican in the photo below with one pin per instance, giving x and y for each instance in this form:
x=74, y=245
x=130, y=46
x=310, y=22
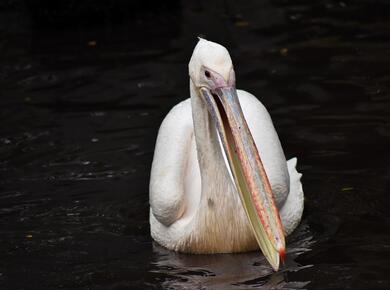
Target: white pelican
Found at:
x=219, y=174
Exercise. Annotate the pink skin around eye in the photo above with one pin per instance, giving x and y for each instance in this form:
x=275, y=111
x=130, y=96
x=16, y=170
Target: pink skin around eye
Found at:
x=216, y=80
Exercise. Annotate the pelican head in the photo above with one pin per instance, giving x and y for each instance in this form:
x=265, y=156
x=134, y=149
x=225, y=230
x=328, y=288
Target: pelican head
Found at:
x=213, y=78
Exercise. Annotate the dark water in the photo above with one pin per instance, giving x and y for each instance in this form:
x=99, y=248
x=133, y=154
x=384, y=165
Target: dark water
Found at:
x=85, y=87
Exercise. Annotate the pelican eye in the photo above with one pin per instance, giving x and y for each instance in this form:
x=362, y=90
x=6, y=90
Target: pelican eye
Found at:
x=207, y=74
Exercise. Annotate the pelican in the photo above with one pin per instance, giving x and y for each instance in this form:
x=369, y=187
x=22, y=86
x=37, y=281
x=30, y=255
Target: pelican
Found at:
x=220, y=182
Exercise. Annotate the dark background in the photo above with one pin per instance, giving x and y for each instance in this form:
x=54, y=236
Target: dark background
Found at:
x=84, y=86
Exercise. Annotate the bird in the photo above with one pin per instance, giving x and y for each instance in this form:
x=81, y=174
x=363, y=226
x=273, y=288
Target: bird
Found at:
x=220, y=181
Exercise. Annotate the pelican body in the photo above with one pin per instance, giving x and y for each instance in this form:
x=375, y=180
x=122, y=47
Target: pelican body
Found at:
x=220, y=182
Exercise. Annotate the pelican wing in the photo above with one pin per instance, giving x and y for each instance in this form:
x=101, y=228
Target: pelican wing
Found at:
x=170, y=162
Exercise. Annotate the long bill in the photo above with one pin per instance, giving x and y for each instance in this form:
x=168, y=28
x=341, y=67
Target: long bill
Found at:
x=248, y=172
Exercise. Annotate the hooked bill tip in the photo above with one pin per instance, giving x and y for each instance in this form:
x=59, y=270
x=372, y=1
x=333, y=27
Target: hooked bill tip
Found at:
x=282, y=254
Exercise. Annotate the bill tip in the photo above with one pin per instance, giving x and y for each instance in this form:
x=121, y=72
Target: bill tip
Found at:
x=282, y=253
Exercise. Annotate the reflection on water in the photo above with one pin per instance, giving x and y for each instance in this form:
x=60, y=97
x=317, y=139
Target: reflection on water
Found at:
x=230, y=271
x=80, y=110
